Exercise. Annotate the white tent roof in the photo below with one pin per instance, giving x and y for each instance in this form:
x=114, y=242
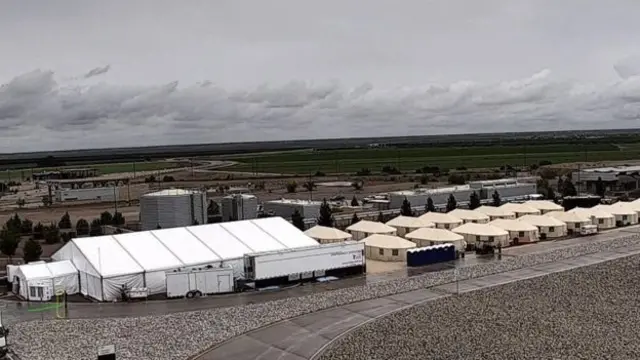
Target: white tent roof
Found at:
x=541, y=220
x=572, y=217
x=597, y=213
x=371, y=227
x=520, y=208
x=441, y=218
x=513, y=225
x=327, y=233
x=47, y=270
x=409, y=222
x=480, y=230
x=494, y=211
x=545, y=205
x=616, y=209
x=431, y=234
x=162, y=249
x=631, y=205
x=388, y=242
x=468, y=214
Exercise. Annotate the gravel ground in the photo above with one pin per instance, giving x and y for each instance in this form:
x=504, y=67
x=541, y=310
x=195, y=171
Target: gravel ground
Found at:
x=586, y=313
x=181, y=335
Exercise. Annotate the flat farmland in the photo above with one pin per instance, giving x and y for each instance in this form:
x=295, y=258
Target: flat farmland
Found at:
x=410, y=159
x=111, y=168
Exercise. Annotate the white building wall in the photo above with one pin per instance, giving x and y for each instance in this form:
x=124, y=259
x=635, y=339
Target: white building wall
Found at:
x=239, y=207
x=171, y=211
x=308, y=210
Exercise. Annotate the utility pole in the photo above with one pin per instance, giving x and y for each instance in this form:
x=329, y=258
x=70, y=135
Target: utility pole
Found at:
x=115, y=199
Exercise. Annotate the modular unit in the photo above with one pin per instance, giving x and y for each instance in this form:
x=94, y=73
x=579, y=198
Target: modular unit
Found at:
x=99, y=194
x=431, y=255
x=283, y=266
x=201, y=281
x=172, y=208
x=239, y=207
x=286, y=207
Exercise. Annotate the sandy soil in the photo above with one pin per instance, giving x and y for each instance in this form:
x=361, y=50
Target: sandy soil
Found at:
x=379, y=267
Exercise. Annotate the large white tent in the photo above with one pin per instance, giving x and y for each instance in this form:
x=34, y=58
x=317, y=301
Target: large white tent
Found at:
x=141, y=259
x=41, y=281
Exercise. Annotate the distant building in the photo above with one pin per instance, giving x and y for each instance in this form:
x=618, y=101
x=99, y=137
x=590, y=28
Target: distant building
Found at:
x=65, y=174
x=239, y=207
x=286, y=207
x=620, y=180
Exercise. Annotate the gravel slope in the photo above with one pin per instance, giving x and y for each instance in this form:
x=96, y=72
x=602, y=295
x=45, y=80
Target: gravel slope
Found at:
x=587, y=313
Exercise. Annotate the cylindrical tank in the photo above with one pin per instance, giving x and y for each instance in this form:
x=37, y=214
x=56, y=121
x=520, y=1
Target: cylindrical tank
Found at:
x=172, y=208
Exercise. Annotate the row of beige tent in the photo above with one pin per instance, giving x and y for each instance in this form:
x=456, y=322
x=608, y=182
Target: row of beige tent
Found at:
x=510, y=222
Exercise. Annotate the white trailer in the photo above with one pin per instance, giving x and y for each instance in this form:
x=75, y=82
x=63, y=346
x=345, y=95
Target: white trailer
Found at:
x=304, y=263
x=99, y=193
x=197, y=282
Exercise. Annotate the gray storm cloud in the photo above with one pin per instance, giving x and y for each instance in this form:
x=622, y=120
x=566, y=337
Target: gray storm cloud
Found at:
x=53, y=114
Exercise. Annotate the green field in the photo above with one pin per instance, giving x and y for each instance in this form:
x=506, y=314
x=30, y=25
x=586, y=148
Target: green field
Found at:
x=20, y=175
x=410, y=159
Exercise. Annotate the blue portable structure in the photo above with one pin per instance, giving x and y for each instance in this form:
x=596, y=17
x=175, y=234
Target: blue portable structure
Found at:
x=430, y=255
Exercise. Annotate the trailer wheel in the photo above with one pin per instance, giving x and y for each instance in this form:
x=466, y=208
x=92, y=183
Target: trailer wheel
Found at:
x=190, y=295
x=197, y=294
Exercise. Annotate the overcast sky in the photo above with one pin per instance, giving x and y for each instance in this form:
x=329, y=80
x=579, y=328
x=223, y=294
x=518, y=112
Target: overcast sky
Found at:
x=83, y=74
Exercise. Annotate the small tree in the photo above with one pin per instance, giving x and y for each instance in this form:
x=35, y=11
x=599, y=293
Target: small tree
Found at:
x=26, y=227
x=309, y=186
x=474, y=201
x=95, y=229
x=297, y=220
x=568, y=189
x=52, y=234
x=357, y=185
x=354, y=219
x=600, y=187
x=405, y=209
x=66, y=236
x=106, y=218
x=213, y=208
x=9, y=242
x=292, y=187
x=429, y=207
x=451, y=203
x=20, y=202
x=354, y=201
x=38, y=231
x=560, y=185
x=380, y=217
x=31, y=251
x=65, y=221
x=82, y=227
x=496, y=198
x=326, y=215
x=14, y=224
x=118, y=219
x=550, y=195
x=158, y=227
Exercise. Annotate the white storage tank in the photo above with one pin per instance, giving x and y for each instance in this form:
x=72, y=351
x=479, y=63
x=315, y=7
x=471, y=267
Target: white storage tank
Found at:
x=286, y=207
x=172, y=208
x=239, y=207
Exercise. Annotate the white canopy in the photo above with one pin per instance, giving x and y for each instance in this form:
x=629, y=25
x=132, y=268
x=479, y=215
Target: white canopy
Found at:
x=469, y=214
x=572, y=217
x=544, y=205
x=431, y=234
x=371, y=227
x=140, y=259
x=409, y=222
x=440, y=218
x=388, y=242
x=541, y=220
x=513, y=225
x=520, y=208
x=59, y=276
x=631, y=205
x=597, y=213
x=495, y=211
x=327, y=233
x=480, y=230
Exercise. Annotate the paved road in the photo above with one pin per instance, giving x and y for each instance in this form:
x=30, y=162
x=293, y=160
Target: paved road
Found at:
x=305, y=337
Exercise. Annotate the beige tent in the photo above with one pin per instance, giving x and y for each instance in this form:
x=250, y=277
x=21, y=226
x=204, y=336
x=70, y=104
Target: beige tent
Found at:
x=441, y=220
x=483, y=233
x=470, y=216
x=520, y=232
x=624, y=214
x=496, y=212
x=386, y=247
x=520, y=209
x=406, y=224
x=632, y=205
x=575, y=221
x=545, y=206
x=431, y=236
x=364, y=228
x=325, y=235
x=602, y=219
x=548, y=227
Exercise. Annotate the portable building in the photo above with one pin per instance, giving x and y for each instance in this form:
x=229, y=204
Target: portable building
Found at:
x=520, y=209
x=141, y=260
x=287, y=207
x=432, y=236
x=470, y=216
x=407, y=224
x=495, y=212
x=387, y=247
x=548, y=227
x=602, y=219
x=326, y=235
x=239, y=207
x=96, y=193
x=41, y=282
x=575, y=221
x=441, y=220
x=365, y=228
x=545, y=206
x=520, y=232
x=483, y=233
x=623, y=214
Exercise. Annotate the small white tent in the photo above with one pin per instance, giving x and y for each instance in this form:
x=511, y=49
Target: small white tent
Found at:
x=548, y=227
x=386, y=247
x=326, y=235
x=441, y=220
x=430, y=236
x=470, y=216
x=406, y=224
x=602, y=219
x=41, y=282
x=481, y=233
x=545, y=206
x=496, y=212
x=520, y=209
x=365, y=228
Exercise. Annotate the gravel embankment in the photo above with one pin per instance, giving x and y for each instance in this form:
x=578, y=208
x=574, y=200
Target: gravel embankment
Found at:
x=587, y=313
x=179, y=336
